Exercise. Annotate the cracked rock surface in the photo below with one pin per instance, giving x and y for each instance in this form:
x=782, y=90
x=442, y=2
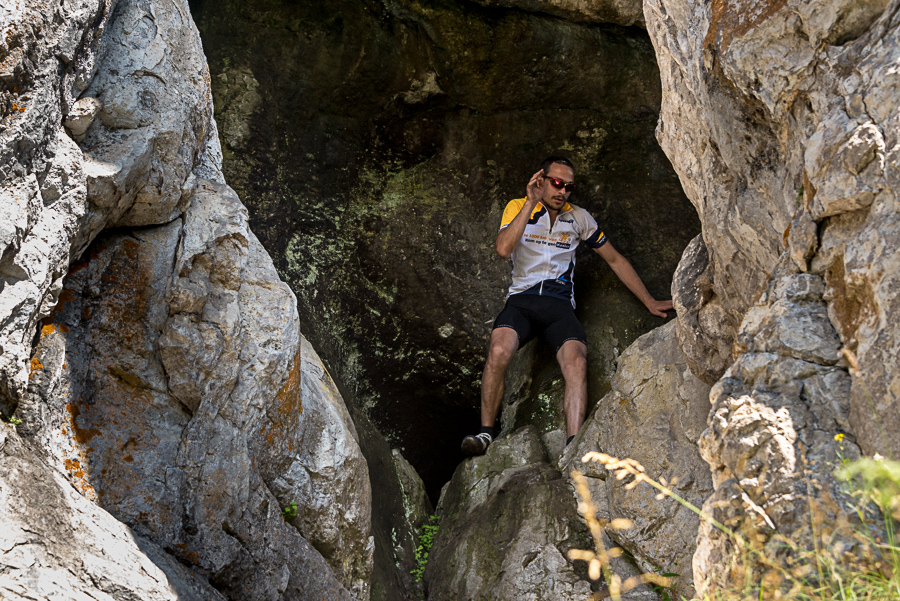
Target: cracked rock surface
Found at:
x=170, y=408
x=781, y=119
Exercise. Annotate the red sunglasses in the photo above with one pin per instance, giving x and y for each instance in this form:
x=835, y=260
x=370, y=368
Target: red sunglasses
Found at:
x=559, y=184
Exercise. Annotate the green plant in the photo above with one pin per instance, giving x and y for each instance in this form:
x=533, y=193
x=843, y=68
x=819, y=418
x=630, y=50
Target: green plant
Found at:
x=665, y=593
x=290, y=511
x=11, y=419
x=426, y=539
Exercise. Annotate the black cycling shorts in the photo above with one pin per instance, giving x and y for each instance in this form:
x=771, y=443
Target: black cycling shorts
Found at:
x=532, y=315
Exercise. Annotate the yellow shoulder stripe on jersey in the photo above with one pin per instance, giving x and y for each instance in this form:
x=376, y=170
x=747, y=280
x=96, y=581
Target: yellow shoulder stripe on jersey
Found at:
x=514, y=206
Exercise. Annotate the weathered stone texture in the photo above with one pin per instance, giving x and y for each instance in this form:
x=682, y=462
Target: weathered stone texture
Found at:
x=781, y=119
x=703, y=326
x=56, y=544
x=771, y=436
x=170, y=383
x=178, y=400
x=144, y=66
x=758, y=142
x=507, y=520
x=654, y=414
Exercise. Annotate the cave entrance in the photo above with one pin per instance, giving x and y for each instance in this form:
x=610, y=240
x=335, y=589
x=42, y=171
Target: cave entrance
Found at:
x=376, y=144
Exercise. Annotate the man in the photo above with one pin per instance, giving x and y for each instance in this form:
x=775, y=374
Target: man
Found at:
x=541, y=232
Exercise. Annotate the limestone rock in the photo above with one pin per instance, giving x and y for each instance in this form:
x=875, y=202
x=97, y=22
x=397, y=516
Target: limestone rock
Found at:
x=416, y=504
x=170, y=383
x=654, y=414
x=507, y=520
x=148, y=54
x=704, y=330
x=771, y=436
x=154, y=124
x=261, y=415
x=81, y=116
x=56, y=544
x=780, y=123
x=329, y=479
x=746, y=135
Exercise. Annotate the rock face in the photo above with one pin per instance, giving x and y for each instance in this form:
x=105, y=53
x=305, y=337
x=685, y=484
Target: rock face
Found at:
x=169, y=383
x=402, y=130
x=775, y=413
x=507, y=521
x=781, y=120
x=655, y=413
x=244, y=419
x=56, y=544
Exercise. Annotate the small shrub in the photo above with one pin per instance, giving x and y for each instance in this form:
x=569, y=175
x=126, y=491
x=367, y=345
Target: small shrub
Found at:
x=11, y=419
x=290, y=511
x=426, y=539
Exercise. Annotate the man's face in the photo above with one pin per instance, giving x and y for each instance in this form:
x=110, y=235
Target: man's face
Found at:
x=551, y=197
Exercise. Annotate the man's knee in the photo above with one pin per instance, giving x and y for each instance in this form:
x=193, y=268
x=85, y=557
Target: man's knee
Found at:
x=572, y=357
x=504, y=343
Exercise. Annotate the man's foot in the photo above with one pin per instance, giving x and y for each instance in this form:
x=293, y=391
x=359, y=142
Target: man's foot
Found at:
x=476, y=444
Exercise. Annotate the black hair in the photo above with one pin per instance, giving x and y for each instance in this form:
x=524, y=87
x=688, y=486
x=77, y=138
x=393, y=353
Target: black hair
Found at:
x=549, y=161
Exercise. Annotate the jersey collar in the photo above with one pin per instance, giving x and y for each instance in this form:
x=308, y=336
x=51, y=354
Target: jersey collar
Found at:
x=565, y=208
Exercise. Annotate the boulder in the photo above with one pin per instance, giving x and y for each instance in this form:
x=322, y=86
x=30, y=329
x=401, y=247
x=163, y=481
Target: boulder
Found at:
x=507, y=520
x=57, y=544
x=188, y=405
x=781, y=119
x=168, y=383
x=654, y=414
x=703, y=330
x=758, y=144
x=138, y=59
x=772, y=437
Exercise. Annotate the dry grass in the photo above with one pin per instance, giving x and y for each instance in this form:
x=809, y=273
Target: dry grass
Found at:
x=848, y=556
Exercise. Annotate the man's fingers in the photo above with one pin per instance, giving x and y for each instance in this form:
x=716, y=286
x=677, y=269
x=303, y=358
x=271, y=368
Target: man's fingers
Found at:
x=659, y=308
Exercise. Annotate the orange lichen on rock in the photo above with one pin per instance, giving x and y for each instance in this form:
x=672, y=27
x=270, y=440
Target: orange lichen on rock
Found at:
x=81, y=435
x=36, y=365
x=731, y=19
x=289, y=398
x=289, y=403
x=127, y=294
x=73, y=466
x=852, y=300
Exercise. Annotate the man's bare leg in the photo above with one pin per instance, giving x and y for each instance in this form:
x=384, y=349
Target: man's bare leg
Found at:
x=504, y=343
x=572, y=357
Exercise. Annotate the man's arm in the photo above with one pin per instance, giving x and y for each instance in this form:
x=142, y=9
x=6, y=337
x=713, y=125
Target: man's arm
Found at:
x=512, y=233
x=630, y=278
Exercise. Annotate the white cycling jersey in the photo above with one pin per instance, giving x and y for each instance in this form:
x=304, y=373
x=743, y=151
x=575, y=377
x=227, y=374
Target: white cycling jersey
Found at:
x=544, y=259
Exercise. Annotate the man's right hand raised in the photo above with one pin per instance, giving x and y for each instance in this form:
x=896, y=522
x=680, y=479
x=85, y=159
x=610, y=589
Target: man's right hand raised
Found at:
x=512, y=233
x=532, y=190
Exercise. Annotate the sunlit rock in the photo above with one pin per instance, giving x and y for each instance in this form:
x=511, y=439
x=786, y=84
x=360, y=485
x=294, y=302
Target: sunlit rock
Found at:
x=654, y=414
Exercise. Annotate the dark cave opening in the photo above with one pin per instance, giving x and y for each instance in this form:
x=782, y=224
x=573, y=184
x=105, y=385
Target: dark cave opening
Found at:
x=376, y=145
